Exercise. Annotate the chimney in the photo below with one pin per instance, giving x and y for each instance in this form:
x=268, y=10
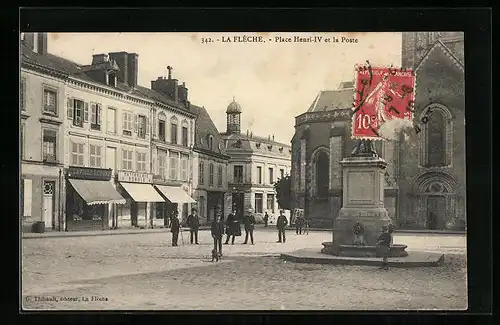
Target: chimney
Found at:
x=133, y=69
x=121, y=59
x=273, y=137
x=99, y=58
x=251, y=134
x=37, y=42
x=167, y=86
x=183, y=94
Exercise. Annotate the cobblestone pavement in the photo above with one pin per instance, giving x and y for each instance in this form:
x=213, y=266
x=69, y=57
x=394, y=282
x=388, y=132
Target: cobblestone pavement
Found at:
x=142, y=272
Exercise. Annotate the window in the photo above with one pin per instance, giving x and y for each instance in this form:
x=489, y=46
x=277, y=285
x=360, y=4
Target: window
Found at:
x=77, y=111
x=128, y=123
x=49, y=145
x=201, y=208
x=22, y=92
x=173, y=130
x=174, y=159
x=21, y=141
x=50, y=101
x=95, y=156
x=141, y=162
x=282, y=173
x=111, y=119
x=219, y=176
x=162, y=158
x=436, y=140
x=202, y=172
x=210, y=140
x=161, y=130
x=127, y=159
x=77, y=154
x=259, y=174
x=271, y=176
x=184, y=136
x=184, y=167
x=141, y=132
x=270, y=202
x=238, y=174
x=258, y=202
x=95, y=118
x=211, y=175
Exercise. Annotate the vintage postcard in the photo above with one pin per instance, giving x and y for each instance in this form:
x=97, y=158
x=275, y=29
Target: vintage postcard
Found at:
x=243, y=171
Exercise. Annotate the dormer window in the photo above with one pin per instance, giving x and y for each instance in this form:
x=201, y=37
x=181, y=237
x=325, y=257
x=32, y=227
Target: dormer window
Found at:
x=281, y=149
x=210, y=142
x=257, y=145
x=111, y=79
x=270, y=147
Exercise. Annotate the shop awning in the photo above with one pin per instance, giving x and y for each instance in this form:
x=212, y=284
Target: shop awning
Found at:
x=97, y=192
x=142, y=192
x=175, y=194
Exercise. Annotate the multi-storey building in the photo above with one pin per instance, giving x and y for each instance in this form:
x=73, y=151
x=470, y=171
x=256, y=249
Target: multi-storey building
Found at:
x=425, y=176
x=42, y=109
x=101, y=132
x=210, y=167
x=255, y=164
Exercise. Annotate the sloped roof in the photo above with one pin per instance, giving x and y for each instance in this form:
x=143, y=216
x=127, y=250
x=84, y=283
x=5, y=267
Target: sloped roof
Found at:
x=440, y=46
x=250, y=142
x=329, y=100
x=204, y=127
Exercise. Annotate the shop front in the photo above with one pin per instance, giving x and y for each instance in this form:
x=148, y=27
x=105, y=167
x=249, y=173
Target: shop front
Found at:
x=88, y=196
x=177, y=199
x=141, y=195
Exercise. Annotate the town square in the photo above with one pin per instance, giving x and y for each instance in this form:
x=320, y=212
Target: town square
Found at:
x=242, y=171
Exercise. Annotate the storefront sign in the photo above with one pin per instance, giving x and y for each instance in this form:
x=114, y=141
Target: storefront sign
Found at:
x=97, y=174
x=133, y=177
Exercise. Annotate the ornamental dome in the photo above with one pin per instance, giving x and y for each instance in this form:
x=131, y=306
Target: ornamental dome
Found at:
x=233, y=107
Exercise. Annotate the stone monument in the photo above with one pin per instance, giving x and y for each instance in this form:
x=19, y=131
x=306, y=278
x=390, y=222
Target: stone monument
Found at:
x=363, y=214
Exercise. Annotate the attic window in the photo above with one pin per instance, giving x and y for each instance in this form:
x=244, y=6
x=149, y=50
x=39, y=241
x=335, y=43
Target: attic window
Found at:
x=210, y=142
x=257, y=145
x=269, y=147
x=281, y=149
x=111, y=76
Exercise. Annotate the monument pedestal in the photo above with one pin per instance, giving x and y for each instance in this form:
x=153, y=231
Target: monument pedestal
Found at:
x=363, y=215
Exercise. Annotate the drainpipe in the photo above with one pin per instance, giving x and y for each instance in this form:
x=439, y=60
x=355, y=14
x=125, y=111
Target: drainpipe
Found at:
x=60, y=203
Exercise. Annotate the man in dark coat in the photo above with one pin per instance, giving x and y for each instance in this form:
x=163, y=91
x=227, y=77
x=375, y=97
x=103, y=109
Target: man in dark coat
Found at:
x=230, y=227
x=193, y=222
x=249, y=223
x=175, y=226
x=384, y=245
x=281, y=224
x=217, y=230
x=299, y=223
x=266, y=219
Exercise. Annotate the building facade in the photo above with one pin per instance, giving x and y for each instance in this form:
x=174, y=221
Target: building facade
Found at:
x=255, y=164
x=98, y=142
x=210, y=167
x=426, y=169
x=42, y=109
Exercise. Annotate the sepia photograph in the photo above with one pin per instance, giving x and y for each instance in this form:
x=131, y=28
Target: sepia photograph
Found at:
x=265, y=171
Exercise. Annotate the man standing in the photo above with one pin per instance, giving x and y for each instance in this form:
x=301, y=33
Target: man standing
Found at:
x=175, y=227
x=231, y=224
x=217, y=230
x=266, y=219
x=299, y=223
x=281, y=224
x=193, y=223
x=249, y=222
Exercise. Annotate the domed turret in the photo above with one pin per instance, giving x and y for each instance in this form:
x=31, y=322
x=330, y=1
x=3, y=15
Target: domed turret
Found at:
x=233, y=113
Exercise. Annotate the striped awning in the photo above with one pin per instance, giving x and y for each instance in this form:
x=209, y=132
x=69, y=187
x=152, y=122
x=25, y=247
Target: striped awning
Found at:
x=97, y=192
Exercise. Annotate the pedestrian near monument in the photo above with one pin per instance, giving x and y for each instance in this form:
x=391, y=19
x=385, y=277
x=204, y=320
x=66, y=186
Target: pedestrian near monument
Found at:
x=217, y=230
x=249, y=223
x=175, y=227
x=384, y=246
x=232, y=227
x=266, y=219
x=281, y=224
x=299, y=223
x=193, y=222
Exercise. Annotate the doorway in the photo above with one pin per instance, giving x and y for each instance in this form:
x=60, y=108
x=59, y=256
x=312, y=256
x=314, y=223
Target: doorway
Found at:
x=48, y=203
x=436, y=207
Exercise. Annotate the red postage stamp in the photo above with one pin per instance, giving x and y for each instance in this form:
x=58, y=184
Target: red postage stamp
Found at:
x=383, y=96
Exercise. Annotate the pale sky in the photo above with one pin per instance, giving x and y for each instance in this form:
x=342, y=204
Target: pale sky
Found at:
x=273, y=82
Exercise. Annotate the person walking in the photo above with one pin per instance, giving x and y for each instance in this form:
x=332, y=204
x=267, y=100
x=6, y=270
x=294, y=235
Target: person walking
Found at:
x=217, y=230
x=249, y=223
x=231, y=224
x=281, y=224
x=193, y=222
x=175, y=226
x=384, y=246
x=266, y=219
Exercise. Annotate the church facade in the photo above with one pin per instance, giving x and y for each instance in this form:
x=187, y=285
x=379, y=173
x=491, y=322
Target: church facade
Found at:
x=425, y=178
